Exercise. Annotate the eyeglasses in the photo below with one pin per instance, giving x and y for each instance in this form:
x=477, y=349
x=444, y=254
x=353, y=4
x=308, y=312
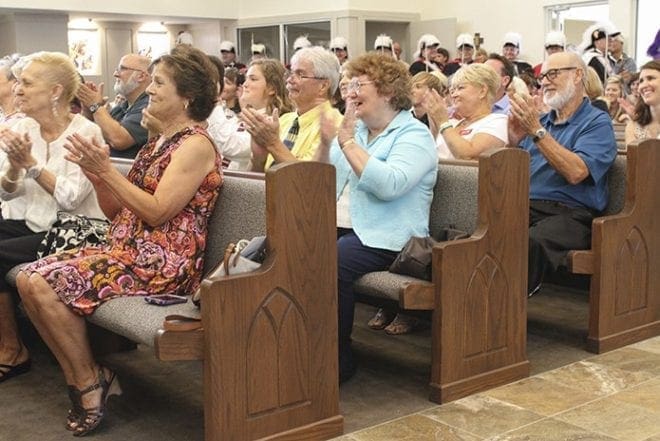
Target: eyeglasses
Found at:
x=552, y=74
x=354, y=85
x=122, y=68
x=298, y=75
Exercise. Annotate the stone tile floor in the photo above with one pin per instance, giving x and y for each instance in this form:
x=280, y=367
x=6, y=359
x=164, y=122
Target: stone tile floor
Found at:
x=613, y=396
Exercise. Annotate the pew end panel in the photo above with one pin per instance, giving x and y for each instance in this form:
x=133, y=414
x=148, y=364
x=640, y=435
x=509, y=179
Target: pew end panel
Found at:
x=624, y=259
x=270, y=337
x=480, y=318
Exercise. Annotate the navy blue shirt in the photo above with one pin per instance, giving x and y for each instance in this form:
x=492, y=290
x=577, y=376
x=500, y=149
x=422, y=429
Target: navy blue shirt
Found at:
x=587, y=133
x=129, y=117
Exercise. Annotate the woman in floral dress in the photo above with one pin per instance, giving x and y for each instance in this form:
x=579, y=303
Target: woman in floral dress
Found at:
x=158, y=233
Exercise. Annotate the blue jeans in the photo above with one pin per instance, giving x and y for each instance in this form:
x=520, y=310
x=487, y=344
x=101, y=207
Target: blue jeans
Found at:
x=353, y=261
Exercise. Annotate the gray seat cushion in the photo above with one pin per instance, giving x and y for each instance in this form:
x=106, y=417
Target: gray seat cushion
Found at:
x=136, y=319
x=383, y=284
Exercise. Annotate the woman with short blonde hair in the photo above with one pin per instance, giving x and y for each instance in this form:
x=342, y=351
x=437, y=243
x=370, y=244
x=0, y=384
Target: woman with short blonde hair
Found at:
x=473, y=127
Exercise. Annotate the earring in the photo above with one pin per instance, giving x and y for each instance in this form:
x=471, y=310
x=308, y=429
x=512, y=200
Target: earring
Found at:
x=185, y=105
x=54, y=106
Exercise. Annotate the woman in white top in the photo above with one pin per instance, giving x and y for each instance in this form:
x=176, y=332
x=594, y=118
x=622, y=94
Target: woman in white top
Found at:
x=264, y=89
x=474, y=128
x=646, y=120
x=36, y=181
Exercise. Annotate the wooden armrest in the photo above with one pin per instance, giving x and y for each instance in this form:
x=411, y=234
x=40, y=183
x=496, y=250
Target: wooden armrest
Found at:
x=418, y=295
x=581, y=261
x=179, y=345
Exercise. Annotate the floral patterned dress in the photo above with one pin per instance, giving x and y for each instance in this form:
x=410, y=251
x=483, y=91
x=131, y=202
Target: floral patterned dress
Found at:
x=139, y=259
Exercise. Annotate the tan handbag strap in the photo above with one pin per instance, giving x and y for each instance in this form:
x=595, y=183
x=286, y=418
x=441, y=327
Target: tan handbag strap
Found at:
x=228, y=252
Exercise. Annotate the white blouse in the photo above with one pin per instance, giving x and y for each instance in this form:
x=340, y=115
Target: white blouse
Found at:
x=73, y=192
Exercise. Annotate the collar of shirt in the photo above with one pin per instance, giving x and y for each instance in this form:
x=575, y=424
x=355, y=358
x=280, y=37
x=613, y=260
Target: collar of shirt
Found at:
x=551, y=116
x=362, y=131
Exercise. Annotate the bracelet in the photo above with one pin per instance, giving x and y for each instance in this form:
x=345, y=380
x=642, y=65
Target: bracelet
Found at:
x=10, y=180
x=444, y=126
x=348, y=141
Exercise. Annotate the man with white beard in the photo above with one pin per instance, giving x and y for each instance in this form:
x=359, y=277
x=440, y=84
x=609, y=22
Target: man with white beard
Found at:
x=571, y=149
x=121, y=124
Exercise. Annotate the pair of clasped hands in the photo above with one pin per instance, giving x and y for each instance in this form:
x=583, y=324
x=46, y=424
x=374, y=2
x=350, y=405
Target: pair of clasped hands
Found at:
x=92, y=157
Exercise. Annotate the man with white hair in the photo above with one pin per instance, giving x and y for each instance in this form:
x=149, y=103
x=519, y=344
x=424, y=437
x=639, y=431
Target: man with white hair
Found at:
x=121, y=124
x=555, y=41
x=571, y=149
x=511, y=50
x=294, y=136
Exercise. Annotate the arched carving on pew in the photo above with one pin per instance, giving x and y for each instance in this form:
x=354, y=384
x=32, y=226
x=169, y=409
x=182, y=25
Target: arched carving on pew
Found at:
x=631, y=274
x=270, y=360
x=484, y=306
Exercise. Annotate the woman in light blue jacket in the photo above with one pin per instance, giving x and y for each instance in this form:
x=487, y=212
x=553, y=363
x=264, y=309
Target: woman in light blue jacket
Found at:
x=386, y=165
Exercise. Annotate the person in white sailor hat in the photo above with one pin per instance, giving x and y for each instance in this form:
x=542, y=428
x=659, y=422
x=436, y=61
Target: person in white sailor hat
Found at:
x=258, y=51
x=228, y=55
x=555, y=41
x=594, y=48
x=511, y=50
x=301, y=42
x=383, y=44
x=339, y=47
x=464, y=53
x=621, y=63
x=427, y=51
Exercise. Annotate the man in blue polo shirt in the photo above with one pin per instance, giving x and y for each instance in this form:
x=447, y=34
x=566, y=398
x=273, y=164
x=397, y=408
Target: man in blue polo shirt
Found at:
x=571, y=149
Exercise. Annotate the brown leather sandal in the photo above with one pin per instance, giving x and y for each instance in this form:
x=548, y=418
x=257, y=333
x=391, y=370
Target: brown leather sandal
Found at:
x=381, y=319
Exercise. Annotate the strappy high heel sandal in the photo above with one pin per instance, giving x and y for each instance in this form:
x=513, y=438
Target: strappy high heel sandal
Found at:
x=73, y=418
x=82, y=420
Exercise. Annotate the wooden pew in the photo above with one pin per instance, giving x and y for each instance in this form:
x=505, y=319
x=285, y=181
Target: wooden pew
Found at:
x=624, y=259
x=478, y=295
x=268, y=339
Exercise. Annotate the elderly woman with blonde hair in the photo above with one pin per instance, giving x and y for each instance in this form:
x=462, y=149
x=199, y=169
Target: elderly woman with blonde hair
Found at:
x=36, y=181
x=474, y=128
x=386, y=166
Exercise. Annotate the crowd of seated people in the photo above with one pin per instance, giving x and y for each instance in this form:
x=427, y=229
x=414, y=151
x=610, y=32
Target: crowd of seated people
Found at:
x=52, y=159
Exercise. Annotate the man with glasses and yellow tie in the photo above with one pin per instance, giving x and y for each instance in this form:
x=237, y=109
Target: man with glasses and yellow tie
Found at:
x=121, y=124
x=571, y=149
x=295, y=136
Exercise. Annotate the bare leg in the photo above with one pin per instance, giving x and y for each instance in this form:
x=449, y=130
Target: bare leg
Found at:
x=64, y=332
x=12, y=350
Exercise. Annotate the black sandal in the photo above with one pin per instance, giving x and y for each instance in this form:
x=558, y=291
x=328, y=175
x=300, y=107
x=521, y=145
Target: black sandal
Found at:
x=83, y=421
x=8, y=371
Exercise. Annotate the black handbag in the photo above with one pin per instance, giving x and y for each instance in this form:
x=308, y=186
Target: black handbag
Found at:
x=417, y=254
x=71, y=231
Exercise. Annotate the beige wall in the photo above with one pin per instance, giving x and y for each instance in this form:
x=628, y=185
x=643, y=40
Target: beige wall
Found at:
x=164, y=8
x=346, y=16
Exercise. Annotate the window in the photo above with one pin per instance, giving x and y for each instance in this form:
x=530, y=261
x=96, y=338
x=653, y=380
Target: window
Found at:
x=317, y=33
x=573, y=20
x=83, y=36
x=269, y=36
x=647, y=27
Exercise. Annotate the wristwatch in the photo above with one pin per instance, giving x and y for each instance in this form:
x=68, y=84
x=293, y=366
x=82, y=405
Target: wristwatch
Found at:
x=539, y=135
x=94, y=107
x=34, y=171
